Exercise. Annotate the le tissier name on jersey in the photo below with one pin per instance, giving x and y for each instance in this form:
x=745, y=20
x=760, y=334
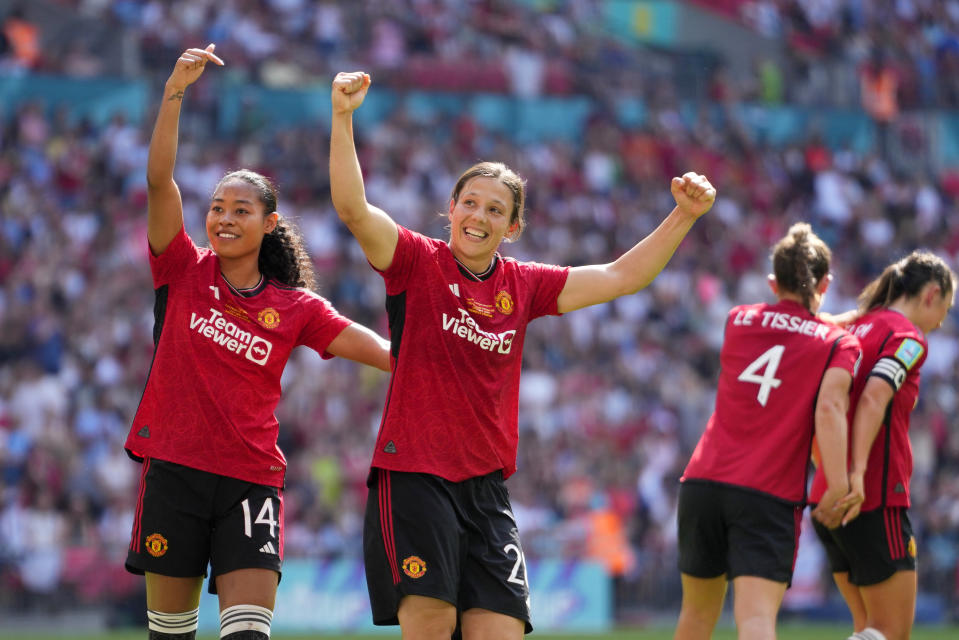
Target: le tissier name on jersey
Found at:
x=782, y=322
x=231, y=337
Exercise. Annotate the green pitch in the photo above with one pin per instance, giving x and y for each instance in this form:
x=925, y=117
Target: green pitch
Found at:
x=786, y=632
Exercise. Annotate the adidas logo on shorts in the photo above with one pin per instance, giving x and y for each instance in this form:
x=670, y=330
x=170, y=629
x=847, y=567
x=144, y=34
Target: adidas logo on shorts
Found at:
x=268, y=548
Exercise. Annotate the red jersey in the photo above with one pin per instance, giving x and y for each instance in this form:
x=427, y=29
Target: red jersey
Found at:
x=219, y=353
x=894, y=350
x=772, y=362
x=457, y=343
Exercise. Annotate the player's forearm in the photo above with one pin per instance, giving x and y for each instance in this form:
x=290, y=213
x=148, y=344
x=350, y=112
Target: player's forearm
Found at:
x=163, y=145
x=865, y=427
x=639, y=266
x=831, y=436
x=347, y=190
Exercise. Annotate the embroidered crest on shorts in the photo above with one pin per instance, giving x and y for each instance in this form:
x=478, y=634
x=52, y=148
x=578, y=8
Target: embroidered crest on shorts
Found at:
x=156, y=545
x=414, y=567
x=912, y=546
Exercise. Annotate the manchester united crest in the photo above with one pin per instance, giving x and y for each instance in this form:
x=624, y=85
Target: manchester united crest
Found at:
x=504, y=303
x=912, y=546
x=414, y=567
x=269, y=318
x=156, y=545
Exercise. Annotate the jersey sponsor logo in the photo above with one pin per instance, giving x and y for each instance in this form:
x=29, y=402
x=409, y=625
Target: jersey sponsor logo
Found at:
x=414, y=567
x=909, y=352
x=466, y=328
x=504, y=303
x=156, y=545
x=231, y=337
x=912, y=547
x=269, y=318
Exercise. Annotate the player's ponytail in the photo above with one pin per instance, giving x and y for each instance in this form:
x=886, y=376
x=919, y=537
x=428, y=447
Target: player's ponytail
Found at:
x=800, y=262
x=906, y=278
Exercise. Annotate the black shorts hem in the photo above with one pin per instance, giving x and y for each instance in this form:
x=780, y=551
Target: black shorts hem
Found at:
x=875, y=577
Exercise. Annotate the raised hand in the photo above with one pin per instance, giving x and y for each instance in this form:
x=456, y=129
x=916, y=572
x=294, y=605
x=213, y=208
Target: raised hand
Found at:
x=190, y=66
x=349, y=90
x=693, y=193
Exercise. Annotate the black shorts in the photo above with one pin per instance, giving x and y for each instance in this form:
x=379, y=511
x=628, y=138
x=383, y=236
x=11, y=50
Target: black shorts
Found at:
x=455, y=541
x=186, y=519
x=871, y=548
x=736, y=532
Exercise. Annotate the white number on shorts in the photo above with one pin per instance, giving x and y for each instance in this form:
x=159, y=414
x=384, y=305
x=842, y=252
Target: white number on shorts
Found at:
x=767, y=381
x=264, y=517
x=520, y=562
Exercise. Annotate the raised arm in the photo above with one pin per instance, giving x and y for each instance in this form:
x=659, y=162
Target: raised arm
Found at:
x=870, y=414
x=831, y=436
x=638, y=267
x=164, y=206
x=372, y=227
x=363, y=345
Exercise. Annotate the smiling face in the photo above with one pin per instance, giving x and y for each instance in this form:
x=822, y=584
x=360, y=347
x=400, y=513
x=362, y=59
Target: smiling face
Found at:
x=479, y=220
x=236, y=221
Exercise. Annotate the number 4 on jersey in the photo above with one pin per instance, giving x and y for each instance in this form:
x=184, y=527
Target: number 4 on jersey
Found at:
x=768, y=362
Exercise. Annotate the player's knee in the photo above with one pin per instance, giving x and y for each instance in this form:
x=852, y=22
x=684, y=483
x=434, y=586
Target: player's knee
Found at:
x=245, y=622
x=172, y=626
x=869, y=633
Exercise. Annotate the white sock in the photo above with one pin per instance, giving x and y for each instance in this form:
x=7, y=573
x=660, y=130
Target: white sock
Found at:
x=172, y=623
x=868, y=634
x=243, y=617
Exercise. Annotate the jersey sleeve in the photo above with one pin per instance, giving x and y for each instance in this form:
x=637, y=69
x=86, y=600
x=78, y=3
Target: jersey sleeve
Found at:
x=179, y=253
x=324, y=323
x=848, y=353
x=546, y=283
x=408, y=247
x=901, y=353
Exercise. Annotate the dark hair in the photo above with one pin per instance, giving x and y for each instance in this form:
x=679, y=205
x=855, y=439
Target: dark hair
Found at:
x=907, y=277
x=800, y=261
x=508, y=177
x=283, y=255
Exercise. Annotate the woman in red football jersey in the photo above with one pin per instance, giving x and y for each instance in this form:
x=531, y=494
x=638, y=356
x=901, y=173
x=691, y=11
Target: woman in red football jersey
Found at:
x=784, y=377
x=873, y=554
x=227, y=319
x=441, y=546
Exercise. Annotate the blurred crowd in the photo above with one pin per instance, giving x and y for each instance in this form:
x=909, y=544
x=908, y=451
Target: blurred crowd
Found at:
x=613, y=397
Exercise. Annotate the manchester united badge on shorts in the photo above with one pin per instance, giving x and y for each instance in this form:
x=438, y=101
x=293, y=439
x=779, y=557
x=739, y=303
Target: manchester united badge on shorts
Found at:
x=912, y=546
x=156, y=545
x=414, y=567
